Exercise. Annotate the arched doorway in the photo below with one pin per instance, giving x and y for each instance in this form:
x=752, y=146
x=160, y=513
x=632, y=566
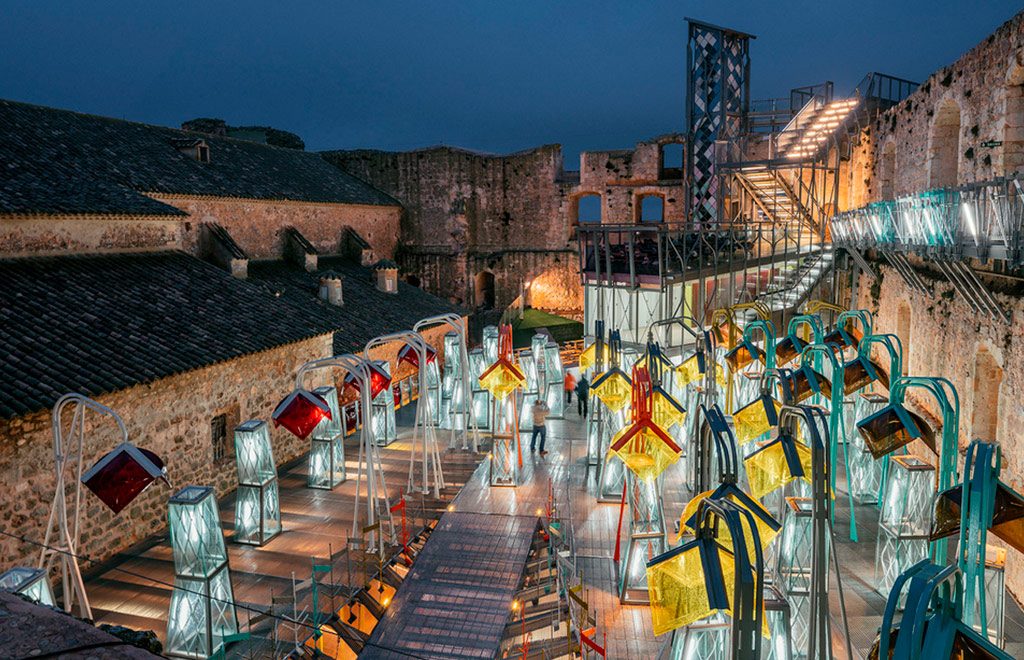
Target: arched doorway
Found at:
x=484, y=290
x=988, y=377
x=944, y=146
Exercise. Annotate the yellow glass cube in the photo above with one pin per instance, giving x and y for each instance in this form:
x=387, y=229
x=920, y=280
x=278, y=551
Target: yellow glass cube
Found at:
x=502, y=378
x=645, y=448
x=689, y=372
x=666, y=412
x=767, y=527
x=613, y=388
x=768, y=468
x=677, y=588
x=754, y=419
x=588, y=358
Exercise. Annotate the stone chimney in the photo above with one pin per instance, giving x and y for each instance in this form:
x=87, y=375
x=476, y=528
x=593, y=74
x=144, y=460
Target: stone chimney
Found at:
x=385, y=272
x=331, y=289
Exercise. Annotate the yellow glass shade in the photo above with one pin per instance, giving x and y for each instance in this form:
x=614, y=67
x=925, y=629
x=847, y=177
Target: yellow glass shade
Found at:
x=665, y=410
x=645, y=448
x=768, y=470
x=678, y=593
x=588, y=358
x=766, y=532
x=689, y=372
x=752, y=419
x=614, y=389
x=502, y=378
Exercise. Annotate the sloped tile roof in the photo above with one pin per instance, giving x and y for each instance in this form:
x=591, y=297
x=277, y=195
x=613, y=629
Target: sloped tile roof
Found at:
x=61, y=162
x=96, y=324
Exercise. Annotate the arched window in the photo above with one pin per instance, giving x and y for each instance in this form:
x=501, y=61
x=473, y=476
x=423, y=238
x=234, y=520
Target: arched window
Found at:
x=484, y=290
x=1013, y=128
x=670, y=161
x=588, y=209
x=988, y=376
x=903, y=331
x=944, y=146
x=887, y=172
x=652, y=208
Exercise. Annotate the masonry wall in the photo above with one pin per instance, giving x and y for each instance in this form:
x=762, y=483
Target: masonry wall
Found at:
x=983, y=358
x=172, y=418
x=258, y=226
x=40, y=235
x=945, y=133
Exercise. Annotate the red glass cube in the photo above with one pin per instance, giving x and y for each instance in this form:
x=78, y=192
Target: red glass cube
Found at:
x=300, y=412
x=122, y=474
x=380, y=380
x=351, y=383
x=410, y=355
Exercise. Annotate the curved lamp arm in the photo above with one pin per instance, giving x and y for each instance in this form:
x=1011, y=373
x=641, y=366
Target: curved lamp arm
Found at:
x=860, y=317
x=892, y=345
x=811, y=321
x=767, y=329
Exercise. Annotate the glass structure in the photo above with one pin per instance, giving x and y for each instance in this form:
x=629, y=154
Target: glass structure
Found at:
x=29, y=582
x=202, y=615
x=554, y=376
x=453, y=408
x=327, y=445
x=793, y=569
x=531, y=390
x=257, y=506
x=865, y=470
x=905, y=521
x=481, y=397
x=383, y=418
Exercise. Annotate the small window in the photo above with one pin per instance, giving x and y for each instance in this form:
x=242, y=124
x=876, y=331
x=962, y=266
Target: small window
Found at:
x=203, y=153
x=671, y=161
x=652, y=208
x=588, y=209
x=219, y=437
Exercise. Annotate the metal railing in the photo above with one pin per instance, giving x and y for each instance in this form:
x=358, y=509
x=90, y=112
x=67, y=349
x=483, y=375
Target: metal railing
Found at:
x=885, y=88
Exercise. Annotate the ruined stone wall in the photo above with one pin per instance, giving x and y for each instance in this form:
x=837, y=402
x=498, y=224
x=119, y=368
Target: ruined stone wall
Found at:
x=258, y=226
x=42, y=234
x=943, y=336
x=937, y=136
x=172, y=418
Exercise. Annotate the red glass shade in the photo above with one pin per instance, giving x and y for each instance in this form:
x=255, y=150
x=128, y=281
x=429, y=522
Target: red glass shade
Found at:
x=122, y=474
x=300, y=412
x=379, y=379
x=409, y=355
x=351, y=383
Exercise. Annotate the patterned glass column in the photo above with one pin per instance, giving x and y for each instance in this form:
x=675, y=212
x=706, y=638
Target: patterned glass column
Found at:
x=906, y=519
x=257, y=507
x=327, y=445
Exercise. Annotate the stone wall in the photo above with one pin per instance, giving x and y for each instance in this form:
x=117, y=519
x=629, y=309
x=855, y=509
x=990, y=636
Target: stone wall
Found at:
x=937, y=136
x=983, y=358
x=172, y=418
x=42, y=234
x=258, y=226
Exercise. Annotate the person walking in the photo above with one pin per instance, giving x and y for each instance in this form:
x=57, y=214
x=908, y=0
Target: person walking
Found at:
x=582, y=395
x=570, y=385
x=540, y=412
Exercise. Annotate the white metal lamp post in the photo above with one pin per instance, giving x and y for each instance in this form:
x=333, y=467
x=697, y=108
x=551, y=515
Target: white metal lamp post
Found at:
x=468, y=395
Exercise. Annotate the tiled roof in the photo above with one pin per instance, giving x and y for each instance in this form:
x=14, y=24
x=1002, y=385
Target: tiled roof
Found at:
x=62, y=162
x=96, y=324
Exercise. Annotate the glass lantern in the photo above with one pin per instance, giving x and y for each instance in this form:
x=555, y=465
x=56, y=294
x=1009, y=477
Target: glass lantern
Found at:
x=257, y=507
x=327, y=446
x=905, y=521
x=383, y=418
x=865, y=469
x=793, y=568
x=489, y=343
x=481, y=397
x=202, y=612
x=452, y=406
x=530, y=390
x=613, y=471
x=555, y=377
x=995, y=594
x=29, y=582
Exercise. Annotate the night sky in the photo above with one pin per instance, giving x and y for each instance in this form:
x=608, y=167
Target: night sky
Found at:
x=486, y=75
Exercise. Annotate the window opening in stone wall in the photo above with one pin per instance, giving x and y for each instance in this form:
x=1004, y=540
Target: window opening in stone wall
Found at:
x=1013, y=129
x=670, y=164
x=485, y=290
x=903, y=332
x=887, y=172
x=944, y=146
x=219, y=437
x=652, y=208
x=988, y=376
x=588, y=209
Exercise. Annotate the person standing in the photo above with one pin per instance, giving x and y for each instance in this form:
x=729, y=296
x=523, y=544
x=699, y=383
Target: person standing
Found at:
x=540, y=412
x=570, y=385
x=582, y=395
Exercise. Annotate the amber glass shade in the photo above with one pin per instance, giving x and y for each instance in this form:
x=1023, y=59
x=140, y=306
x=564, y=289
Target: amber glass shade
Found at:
x=683, y=590
x=893, y=427
x=756, y=418
x=613, y=388
x=726, y=334
x=788, y=349
x=1007, y=517
x=848, y=339
x=502, y=378
x=802, y=383
x=645, y=448
x=767, y=527
x=743, y=354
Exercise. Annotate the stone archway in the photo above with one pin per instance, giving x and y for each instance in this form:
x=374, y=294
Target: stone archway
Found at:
x=944, y=146
x=988, y=378
x=483, y=290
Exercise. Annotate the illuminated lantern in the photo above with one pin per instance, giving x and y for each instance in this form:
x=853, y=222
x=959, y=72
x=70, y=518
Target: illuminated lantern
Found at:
x=613, y=388
x=865, y=471
x=788, y=349
x=666, y=412
x=380, y=378
x=847, y=335
x=588, y=358
x=409, y=355
x=382, y=408
x=300, y=412
x=502, y=378
x=693, y=369
x=743, y=354
x=860, y=372
x=327, y=445
x=481, y=397
x=122, y=474
x=645, y=448
x=904, y=524
x=767, y=527
x=30, y=583
x=794, y=565
x=257, y=506
x=805, y=382
x=688, y=584
x=202, y=611
x=1007, y=517
x=776, y=464
x=893, y=427
x=756, y=418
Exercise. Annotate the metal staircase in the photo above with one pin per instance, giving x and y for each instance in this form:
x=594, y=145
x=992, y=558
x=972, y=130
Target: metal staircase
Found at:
x=793, y=286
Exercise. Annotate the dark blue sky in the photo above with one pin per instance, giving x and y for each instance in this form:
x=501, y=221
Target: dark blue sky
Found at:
x=494, y=76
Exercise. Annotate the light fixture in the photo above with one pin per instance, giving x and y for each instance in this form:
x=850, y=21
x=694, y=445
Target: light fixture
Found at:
x=645, y=448
x=327, y=445
x=32, y=583
x=776, y=464
x=257, y=503
x=802, y=383
x=300, y=412
x=892, y=428
x=905, y=521
x=756, y=418
x=788, y=349
x=122, y=474
x=742, y=354
x=409, y=355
